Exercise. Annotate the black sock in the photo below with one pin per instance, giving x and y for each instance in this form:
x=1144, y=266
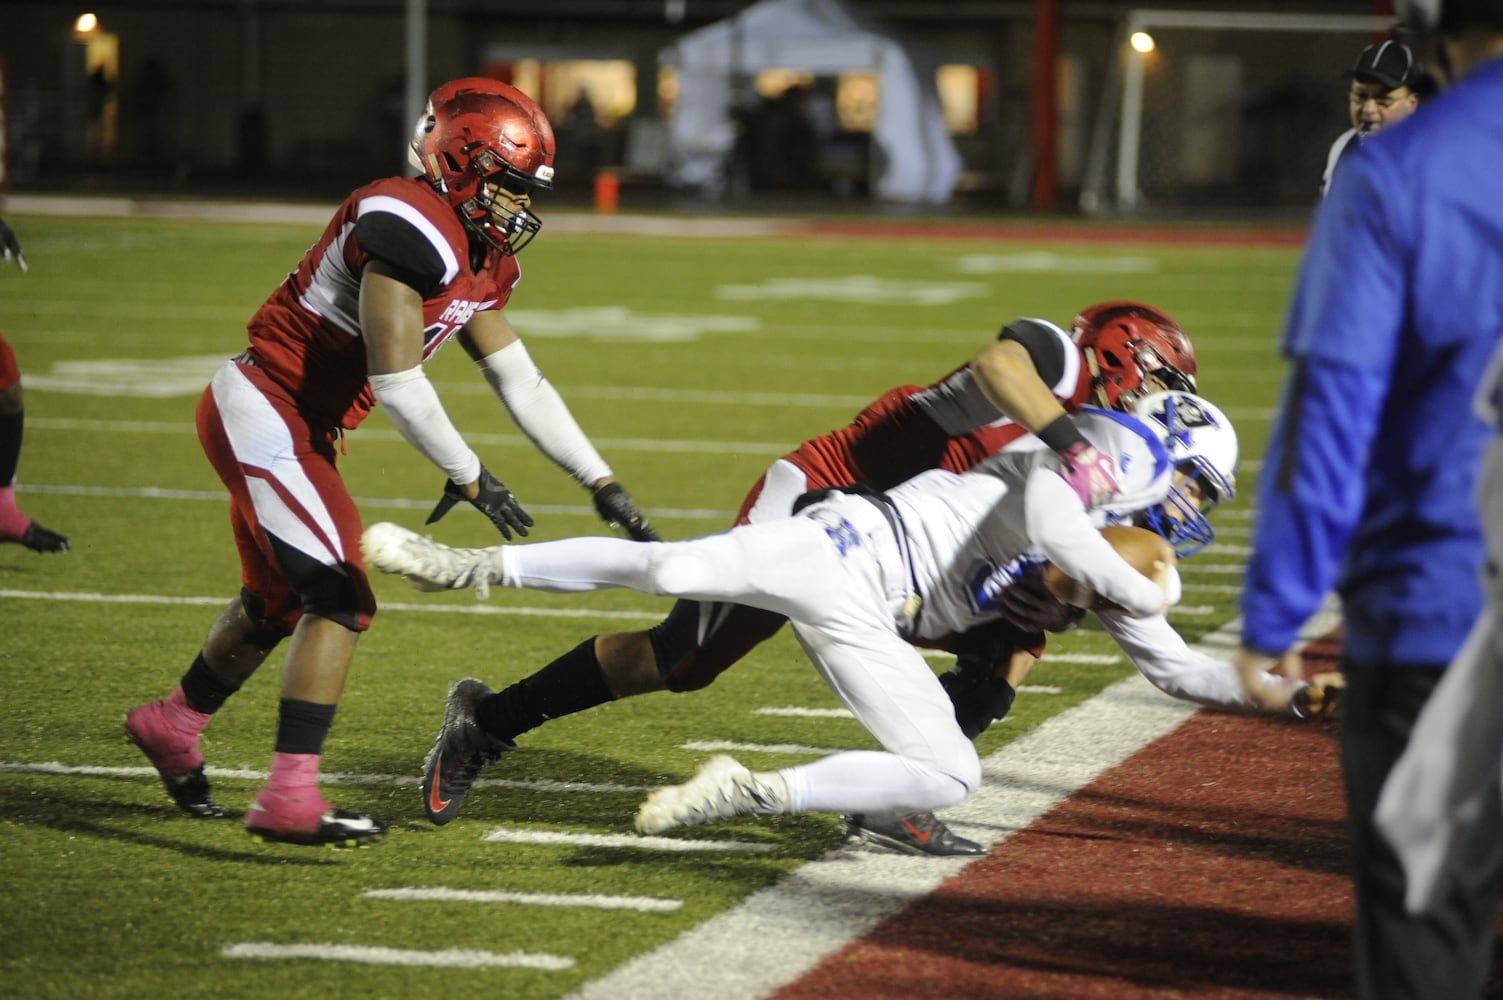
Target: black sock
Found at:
x=10, y=445
x=571, y=683
x=203, y=689
x=302, y=726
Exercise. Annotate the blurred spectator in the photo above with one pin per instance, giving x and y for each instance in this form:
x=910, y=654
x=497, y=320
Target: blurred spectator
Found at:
x=583, y=136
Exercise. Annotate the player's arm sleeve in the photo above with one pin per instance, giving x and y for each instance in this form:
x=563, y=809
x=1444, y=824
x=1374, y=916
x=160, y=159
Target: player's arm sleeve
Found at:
x=1063, y=530
x=541, y=413
x=411, y=402
x=1162, y=656
x=1342, y=336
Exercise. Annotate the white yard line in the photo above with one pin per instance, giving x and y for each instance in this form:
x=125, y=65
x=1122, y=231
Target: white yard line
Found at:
x=330, y=777
x=556, y=838
x=593, y=901
x=453, y=958
x=90, y=597
x=726, y=746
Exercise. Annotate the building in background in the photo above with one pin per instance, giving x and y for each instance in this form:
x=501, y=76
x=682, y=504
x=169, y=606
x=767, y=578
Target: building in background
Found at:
x=251, y=97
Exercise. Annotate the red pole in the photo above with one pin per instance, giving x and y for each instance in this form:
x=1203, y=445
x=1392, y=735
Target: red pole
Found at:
x=1044, y=110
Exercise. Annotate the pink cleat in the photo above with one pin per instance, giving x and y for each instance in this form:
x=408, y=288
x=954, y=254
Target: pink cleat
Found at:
x=301, y=816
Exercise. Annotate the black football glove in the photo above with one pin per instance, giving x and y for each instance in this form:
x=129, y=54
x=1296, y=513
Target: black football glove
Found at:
x=617, y=509
x=10, y=246
x=494, y=500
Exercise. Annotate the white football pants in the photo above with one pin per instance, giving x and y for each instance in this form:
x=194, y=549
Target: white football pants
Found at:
x=837, y=574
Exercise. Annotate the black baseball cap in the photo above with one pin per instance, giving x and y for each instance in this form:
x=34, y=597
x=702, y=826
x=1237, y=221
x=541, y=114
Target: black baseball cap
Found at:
x=1389, y=64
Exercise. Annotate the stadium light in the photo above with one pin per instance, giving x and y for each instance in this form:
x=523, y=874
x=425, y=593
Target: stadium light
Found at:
x=1141, y=41
x=86, y=23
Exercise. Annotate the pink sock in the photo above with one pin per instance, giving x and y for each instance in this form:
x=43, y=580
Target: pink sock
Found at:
x=177, y=713
x=291, y=772
x=12, y=522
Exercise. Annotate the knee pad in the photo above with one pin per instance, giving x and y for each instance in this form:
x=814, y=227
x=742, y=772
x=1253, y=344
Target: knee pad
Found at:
x=342, y=594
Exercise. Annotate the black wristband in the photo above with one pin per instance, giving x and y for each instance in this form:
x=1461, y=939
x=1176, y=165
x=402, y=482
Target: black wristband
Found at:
x=1062, y=434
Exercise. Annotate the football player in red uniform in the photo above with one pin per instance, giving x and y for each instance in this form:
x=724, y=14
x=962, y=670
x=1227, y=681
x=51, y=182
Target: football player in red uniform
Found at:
x=1027, y=380
x=15, y=526
x=404, y=265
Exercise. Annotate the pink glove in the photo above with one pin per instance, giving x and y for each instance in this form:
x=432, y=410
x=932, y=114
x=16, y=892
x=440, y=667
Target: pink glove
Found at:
x=1092, y=475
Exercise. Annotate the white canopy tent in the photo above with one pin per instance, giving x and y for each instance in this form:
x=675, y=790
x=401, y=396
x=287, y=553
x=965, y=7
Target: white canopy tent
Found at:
x=823, y=37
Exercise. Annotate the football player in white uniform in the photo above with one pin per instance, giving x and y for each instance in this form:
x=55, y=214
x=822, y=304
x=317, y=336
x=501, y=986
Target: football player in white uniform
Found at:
x=861, y=575
x=406, y=264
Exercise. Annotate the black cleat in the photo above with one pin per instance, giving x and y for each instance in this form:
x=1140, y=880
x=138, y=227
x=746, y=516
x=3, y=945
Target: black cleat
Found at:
x=170, y=750
x=40, y=539
x=911, y=833
x=460, y=751
x=192, y=794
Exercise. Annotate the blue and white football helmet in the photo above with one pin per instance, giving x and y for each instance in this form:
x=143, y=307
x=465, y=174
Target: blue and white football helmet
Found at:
x=1202, y=445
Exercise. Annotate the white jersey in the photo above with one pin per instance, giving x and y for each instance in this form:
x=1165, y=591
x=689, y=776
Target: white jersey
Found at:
x=972, y=535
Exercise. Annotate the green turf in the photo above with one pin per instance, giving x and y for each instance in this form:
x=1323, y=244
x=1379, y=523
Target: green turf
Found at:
x=108, y=892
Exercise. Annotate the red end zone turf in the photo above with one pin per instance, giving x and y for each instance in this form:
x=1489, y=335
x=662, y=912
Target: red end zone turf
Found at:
x=1210, y=865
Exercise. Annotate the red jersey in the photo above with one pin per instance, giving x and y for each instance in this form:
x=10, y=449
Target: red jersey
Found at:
x=307, y=335
x=948, y=425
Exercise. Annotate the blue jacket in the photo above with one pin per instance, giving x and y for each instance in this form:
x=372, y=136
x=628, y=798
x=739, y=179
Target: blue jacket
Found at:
x=1369, y=476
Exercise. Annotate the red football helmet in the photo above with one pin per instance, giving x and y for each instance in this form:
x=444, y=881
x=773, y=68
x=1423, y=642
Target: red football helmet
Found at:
x=1132, y=350
x=477, y=133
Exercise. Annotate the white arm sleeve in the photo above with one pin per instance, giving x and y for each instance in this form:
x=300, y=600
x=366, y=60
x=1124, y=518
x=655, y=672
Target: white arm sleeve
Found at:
x=412, y=404
x=1063, y=530
x=539, y=410
x=1162, y=655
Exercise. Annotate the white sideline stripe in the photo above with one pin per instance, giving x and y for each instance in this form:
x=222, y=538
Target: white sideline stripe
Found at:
x=717, y=746
x=1192, y=609
x=1043, y=688
x=594, y=901
x=830, y=902
x=442, y=609
x=365, y=503
x=505, y=835
x=331, y=777
x=452, y=958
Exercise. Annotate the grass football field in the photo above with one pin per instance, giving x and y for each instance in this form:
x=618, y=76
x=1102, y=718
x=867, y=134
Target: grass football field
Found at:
x=692, y=361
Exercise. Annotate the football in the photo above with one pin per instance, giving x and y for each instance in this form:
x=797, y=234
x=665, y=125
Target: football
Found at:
x=1146, y=551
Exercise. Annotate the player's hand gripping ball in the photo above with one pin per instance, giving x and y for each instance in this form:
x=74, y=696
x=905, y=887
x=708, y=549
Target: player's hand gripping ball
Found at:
x=1146, y=551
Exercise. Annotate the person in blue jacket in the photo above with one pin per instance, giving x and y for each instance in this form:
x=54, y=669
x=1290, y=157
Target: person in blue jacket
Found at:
x=1369, y=476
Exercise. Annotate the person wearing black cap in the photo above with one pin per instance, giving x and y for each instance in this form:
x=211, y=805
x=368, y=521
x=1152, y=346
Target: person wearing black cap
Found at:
x=1386, y=89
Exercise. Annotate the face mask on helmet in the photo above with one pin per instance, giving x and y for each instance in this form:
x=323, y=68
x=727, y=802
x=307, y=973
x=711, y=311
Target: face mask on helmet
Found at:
x=1133, y=350
x=1203, y=447
x=477, y=140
